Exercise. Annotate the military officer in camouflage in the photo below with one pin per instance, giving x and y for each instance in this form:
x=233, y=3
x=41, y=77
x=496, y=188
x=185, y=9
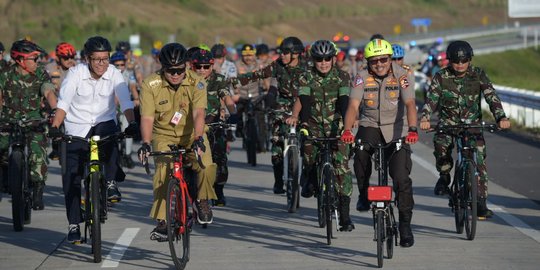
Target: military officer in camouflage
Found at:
x=3, y=62
x=322, y=102
x=287, y=71
x=217, y=90
x=23, y=86
x=173, y=104
x=455, y=94
x=385, y=94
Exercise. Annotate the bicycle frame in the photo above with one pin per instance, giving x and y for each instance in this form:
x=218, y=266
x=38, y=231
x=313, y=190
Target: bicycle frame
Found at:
x=291, y=144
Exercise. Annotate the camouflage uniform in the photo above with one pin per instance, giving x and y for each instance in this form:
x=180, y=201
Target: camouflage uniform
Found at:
x=324, y=118
x=457, y=99
x=22, y=96
x=217, y=89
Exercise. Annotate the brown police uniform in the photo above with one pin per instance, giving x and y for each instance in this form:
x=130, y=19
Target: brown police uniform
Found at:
x=160, y=101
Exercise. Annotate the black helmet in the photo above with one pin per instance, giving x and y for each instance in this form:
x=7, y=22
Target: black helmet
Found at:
x=190, y=52
x=123, y=46
x=172, y=54
x=24, y=48
x=262, y=49
x=291, y=44
x=2, y=49
x=202, y=56
x=322, y=49
x=459, y=50
x=96, y=44
x=219, y=51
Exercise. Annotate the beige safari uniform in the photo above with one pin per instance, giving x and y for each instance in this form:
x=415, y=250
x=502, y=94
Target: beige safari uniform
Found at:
x=161, y=101
x=383, y=101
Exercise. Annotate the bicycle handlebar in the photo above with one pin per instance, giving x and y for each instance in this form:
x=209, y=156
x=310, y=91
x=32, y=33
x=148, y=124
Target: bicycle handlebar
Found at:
x=220, y=124
x=175, y=151
x=462, y=126
x=101, y=140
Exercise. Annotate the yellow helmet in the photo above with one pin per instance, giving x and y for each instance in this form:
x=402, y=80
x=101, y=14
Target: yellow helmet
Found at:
x=378, y=47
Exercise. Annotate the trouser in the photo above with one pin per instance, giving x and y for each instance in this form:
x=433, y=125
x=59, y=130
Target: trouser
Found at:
x=37, y=154
x=217, y=140
x=278, y=129
x=444, y=144
x=77, y=154
x=205, y=177
x=399, y=167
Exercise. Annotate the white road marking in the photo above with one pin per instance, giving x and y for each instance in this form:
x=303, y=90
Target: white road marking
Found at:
x=507, y=217
x=117, y=252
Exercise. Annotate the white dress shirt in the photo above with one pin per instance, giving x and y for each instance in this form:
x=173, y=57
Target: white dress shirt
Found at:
x=88, y=102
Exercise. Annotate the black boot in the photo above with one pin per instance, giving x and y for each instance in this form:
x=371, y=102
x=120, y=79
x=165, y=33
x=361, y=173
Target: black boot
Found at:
x=363, y=203
x=278, y=179
x=37, y=196
x=441, y=188
x=483, y=211
x=344, y=218
x=220, y=201
x=406, y=238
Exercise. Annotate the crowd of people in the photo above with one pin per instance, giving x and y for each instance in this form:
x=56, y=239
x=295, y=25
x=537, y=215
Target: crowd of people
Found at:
x=172, y=97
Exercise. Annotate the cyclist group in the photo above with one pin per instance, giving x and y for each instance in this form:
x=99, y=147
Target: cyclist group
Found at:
x=373, y=93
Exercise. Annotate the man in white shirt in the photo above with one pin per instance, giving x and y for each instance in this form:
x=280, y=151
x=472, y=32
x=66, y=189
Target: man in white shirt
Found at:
x=87, y=106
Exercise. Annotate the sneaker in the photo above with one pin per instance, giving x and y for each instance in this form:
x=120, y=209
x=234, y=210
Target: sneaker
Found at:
x=113, y=194
x=204, y=212
x=74, y=234
x=160, y=232
x=483, y=211
x=441, y=188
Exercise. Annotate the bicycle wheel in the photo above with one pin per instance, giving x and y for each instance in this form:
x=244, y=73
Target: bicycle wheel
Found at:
x=293, y=192
x=177, y=224
x=471, y=195
x=251, y=142
x=15, y=178
x=390, y=235
x=95, y=222
x=457, y=199
x=379, y=234
x=328, y=202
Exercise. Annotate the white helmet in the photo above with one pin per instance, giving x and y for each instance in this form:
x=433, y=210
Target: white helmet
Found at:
x=353, y=51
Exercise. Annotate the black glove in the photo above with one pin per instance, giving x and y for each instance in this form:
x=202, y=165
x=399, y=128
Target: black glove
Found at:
x=55, y=132
x=199, y=144
x=143, y=150
x=132, y=130
x=233, y=119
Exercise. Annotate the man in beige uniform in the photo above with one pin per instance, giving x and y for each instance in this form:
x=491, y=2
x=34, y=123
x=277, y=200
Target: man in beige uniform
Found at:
x=173, y=103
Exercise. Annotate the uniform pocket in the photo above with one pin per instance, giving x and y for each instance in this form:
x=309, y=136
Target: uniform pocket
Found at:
x=371, y=99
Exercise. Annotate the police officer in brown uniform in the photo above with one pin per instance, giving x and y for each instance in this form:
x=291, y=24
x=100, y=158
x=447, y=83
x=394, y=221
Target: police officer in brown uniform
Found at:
x=173, y=103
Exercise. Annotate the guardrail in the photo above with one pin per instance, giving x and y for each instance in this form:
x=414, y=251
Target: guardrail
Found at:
x=520, y=105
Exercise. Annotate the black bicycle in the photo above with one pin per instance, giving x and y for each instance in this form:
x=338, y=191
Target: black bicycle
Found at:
x=292, y=169
x=252, y=136
x=463, y=197
x=380, y=196
x=18, y=173
x=95, y=195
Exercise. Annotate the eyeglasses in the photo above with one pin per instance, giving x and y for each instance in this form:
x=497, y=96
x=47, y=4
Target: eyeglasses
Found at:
x=460, y=61
x=320, y=59
x=100, y=60
x=119, y=65
x=174, y=71
x=35, y=59
x=382, y=60
x=284, y=52
x=202, y=66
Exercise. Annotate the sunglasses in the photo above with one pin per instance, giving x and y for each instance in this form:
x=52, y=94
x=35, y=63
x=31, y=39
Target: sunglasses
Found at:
x=65, y=58
x=174, y=71
x=320, y=59
x=284, y=52
x=120, y=65
x=202, y=66
x=461, y=61
x=383, y=60
x=398, y=59
x=35, y=59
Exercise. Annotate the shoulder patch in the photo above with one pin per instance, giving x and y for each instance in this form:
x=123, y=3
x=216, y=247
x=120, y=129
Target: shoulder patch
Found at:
x=154, y=83
x=403, y=82
x=358, y=81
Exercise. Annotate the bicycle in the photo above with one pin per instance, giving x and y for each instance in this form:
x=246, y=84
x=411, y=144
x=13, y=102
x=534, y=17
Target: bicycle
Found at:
x=95, y=195
x=380, y=196
x=292, y=169
x=180, y=214
x=463, y=197
x=18, y=172
x=326, y=182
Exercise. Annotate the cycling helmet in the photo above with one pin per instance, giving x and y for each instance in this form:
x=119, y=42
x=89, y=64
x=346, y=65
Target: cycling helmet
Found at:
x=248, y=49
x=459, y=50
x=123, y=46
x=292, y=44
x=202, y=57
x=172, y=54
x=118, y=56
x=190, y=52
x=2, y=49
x=441, y=56
x=378, y=47
x=96, y=44
x=219, y=51
x=322, y=49
x=203, y=46
x=262, y=49
x=24, y=48
x=353, y=51
x=155, y=51
x=65, y=49
x=399, y=52
x=341, y=56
